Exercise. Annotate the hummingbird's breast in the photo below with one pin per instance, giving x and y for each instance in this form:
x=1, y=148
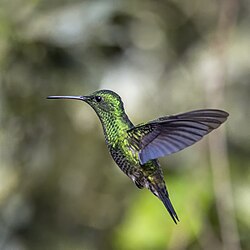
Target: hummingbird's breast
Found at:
x=121, y=150
x=124, y=155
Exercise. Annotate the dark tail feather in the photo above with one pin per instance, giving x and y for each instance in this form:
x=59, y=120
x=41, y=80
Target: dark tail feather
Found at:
x=163, y=195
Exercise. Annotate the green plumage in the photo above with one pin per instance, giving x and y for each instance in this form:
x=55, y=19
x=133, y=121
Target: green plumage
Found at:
x=135, y=149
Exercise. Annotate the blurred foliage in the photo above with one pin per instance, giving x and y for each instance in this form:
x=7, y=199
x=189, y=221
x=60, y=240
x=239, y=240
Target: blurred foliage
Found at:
x=59, y=188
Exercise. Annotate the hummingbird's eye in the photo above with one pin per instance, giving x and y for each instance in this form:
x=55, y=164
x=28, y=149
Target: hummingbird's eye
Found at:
x=98, y=98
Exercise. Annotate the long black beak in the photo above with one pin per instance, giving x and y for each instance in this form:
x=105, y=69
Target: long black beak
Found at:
x=80, y=98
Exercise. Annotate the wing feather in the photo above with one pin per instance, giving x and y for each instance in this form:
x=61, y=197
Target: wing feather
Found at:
x=170, y=134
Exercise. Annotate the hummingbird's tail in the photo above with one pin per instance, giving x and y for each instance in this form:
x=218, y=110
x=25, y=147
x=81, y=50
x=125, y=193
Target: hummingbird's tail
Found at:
x=162, y=194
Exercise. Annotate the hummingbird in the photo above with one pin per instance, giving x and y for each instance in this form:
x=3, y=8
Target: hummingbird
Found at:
x=136, y=149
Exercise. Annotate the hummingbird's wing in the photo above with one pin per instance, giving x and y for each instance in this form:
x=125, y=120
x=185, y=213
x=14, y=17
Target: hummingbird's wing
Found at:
x=171, y=134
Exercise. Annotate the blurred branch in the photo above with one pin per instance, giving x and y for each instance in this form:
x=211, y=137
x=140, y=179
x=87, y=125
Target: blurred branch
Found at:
x=215, y=84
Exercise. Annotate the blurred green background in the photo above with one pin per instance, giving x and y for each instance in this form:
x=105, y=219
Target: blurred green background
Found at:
x=59, y=188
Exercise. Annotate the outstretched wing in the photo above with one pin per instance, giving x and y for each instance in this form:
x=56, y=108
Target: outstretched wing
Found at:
x=171, y=134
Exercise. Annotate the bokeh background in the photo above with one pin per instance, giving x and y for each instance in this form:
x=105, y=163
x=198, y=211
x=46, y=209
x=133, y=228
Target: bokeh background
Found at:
x=59, y=188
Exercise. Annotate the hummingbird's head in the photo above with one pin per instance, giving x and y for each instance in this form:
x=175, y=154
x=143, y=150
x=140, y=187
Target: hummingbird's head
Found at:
x=102, y=101
x=105, y=101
